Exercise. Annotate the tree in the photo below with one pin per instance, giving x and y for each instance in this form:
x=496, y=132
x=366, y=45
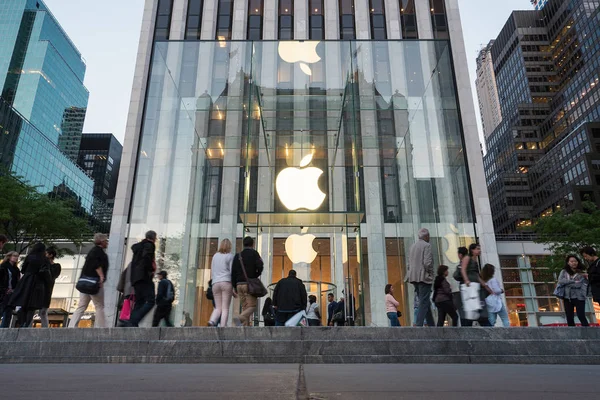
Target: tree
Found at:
x=28, y=216
x=566, y=234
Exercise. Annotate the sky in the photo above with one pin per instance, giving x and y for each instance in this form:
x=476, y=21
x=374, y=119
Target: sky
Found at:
x=107, y=33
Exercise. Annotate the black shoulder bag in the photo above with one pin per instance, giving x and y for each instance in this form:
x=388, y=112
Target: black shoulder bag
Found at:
x=255, y=285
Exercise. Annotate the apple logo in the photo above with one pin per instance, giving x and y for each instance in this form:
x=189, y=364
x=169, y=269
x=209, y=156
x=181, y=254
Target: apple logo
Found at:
x=452, y=240
x=299, y=248
x=299, y=187
x=304, y=52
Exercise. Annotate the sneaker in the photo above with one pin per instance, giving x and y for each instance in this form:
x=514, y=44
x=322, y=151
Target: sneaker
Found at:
x=237, y=321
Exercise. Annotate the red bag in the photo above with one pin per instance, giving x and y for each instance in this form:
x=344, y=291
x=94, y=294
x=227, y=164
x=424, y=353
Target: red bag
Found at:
x=128, y=304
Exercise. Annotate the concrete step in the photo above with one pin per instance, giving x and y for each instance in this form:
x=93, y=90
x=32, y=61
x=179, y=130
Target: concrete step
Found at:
x=302, y=345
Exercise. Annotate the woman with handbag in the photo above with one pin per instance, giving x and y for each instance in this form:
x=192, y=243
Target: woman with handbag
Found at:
x=442, y=297
x=575, y=284
x=391, y=305
x=222, y=290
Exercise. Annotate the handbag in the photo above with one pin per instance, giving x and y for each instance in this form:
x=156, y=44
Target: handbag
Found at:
x=128, y=305
x=457, y=275
x=88, y=284
x=255, y=286
x=559, y=291
x=338, y=317
x=398, y=314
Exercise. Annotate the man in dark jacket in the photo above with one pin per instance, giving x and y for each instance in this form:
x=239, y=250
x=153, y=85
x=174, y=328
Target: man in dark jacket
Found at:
x=164, y=300
x=331, y=309
x=253, y=265
x=289, y=298
x=143, y=266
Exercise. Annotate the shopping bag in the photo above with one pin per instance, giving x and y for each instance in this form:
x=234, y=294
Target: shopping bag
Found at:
x=471, y=300
x=298, y=319
x=128, y=304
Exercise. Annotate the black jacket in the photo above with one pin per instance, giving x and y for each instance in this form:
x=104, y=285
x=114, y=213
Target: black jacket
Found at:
x=143, y=262
x=290, y=295
x=55, y=270
x=594, y=279
x=331, y=310
x=96, y=258
x=253, y=263
x=31, y=290
x=161, y=293
x=4, y=276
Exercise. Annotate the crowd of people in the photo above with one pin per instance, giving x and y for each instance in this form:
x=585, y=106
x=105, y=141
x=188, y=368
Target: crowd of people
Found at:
x=28, y=290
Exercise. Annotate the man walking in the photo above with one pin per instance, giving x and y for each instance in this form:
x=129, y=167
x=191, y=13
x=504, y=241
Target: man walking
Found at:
x=331, y=307
x=164, y=300
x=143, y=266
x=420, y=274
x=289, y=298
x=248, y=261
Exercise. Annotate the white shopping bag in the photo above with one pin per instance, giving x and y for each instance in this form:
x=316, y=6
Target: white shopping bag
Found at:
x=298, y=320
x=471, y=301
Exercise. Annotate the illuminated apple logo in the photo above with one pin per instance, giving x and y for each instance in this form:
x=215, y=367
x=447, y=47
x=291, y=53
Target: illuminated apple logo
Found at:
x=299, y=248
x=299, y=187
x=452, y=240
x=299, y=52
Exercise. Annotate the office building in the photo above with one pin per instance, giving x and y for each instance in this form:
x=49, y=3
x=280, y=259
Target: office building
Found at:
x=100, y=157
x=543, y=155
x=41, y=83
x=330, y=131
x=538, y=4
x=487, y=92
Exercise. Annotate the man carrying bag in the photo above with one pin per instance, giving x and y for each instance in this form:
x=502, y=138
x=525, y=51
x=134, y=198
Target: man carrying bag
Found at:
x=290, y=299
x=245, y=273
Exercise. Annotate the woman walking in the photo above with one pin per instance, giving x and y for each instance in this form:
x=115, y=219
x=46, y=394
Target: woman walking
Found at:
x=470, y=273
x=391, y=305
x=221, y=283
x=312, y=311
x=573, y=279
x=31, y=290
x=495, y=305
x=55, y=269
x=9, y=279
x=442, y=297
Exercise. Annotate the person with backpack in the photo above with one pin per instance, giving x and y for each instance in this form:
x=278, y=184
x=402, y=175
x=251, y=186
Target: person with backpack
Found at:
x=165, y=295
x=268, y=312
x=54, y=272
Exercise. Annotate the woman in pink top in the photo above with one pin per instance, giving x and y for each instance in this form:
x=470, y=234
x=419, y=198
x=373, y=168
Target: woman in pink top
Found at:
x=391, y=305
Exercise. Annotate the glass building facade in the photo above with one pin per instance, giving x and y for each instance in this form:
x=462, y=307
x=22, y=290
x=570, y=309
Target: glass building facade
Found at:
x=331, y=153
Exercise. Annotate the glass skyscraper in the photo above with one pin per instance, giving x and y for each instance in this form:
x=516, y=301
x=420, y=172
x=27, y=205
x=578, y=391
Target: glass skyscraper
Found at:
x=316, y=128
x=41, y=81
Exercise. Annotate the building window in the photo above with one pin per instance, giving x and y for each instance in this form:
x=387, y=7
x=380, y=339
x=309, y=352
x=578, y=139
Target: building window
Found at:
x=286, y=19
x=377, y=10
x=194, y=19
x=224, y=19
x=347, y=27
x=163, y=20
x=408, y=19
x=316, y=20
x=438, y=19
x=255, y=19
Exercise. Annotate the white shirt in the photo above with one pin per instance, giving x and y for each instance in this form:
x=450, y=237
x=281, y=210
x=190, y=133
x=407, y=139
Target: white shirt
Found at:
x=310, y=311
x=220, y=267
x=494, y=301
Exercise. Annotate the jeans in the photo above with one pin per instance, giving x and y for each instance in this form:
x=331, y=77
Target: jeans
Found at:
x=393, y=317
x=222, y=292
x=162, y=312
x=423, y=291
x=144, y=301
x=84, y=301
x=503, y=314
x=6, y=317
x=446, y=308
x=570, y=306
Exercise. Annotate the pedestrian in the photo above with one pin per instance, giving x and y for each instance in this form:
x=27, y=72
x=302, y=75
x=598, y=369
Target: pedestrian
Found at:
x=126, y=289
x=313, y=315
x=10, y=274
x=420, y=274
x=470, y=273
x=442, y=297
x=165, y=295
x=495, y=306
x=331, y=307
x=221, y=284
x=268, y=312
x=590, y=255
x=30, y=292
x=391, y=305
x=289, y=298
x=54, y=273
x=95, y=266
x=574, y=281
x=462, y=252
x=247, y=260
x=143, y=267
x=339, y=318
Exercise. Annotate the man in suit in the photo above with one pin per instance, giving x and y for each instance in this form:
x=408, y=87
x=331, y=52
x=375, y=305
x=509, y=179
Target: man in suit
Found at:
x=420, y=274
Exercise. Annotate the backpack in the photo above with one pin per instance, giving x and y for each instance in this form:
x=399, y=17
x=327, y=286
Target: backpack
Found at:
x=170, y=293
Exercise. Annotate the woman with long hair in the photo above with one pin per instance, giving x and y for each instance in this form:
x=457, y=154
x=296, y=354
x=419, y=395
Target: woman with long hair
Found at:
x=495, y=305
x=9, y=279
x=442, y=297
x=391, y=305
x=221, y=283
x=31, y=290
x=575, y=283
x=470, y=273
